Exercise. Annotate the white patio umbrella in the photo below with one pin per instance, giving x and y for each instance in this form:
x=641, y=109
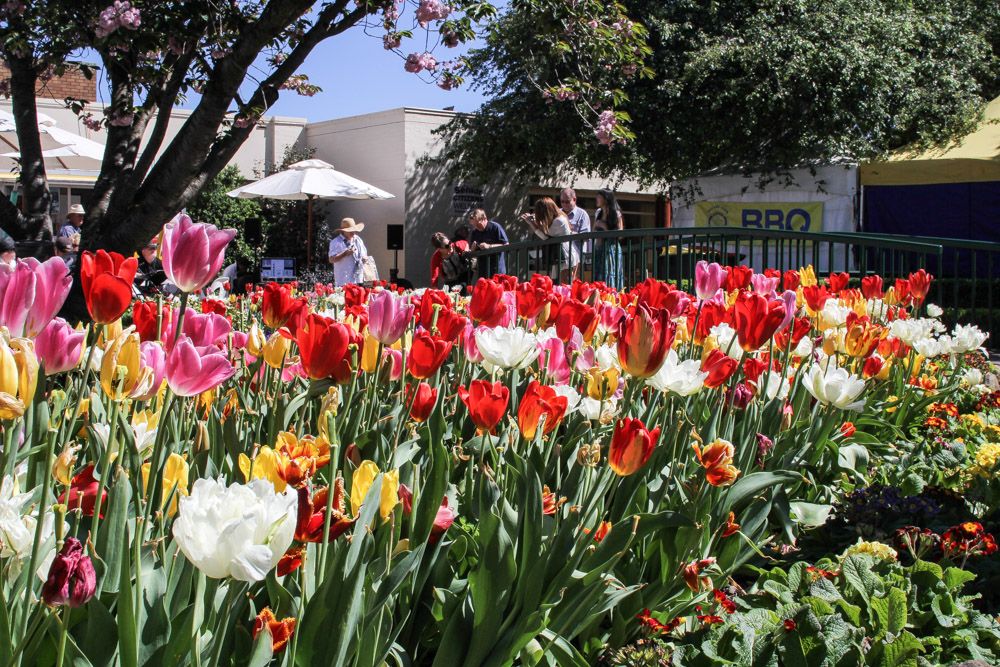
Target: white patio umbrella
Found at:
x=61, y=149
x=310, y=179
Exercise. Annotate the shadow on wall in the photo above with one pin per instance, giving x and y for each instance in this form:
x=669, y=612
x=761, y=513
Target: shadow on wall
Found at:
x=431, y=209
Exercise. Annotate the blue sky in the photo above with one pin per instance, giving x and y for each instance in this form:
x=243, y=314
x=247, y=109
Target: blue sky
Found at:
x=358, y=76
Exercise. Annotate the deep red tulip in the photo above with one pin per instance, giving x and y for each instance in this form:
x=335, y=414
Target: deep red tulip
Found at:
x=213, y=306
x=423, y=402
x=712, y=314
x=322, y=345
x=530, y=299
x=486, y=402
x=450, y=325
x=644, y=340
x=83, y=492
x=144, y=319
x=719, y=366
x=574, y=313
x=757, y=319
x=106, y=279
x=902, y=291
x=312, y=514
x=752, y=369
x=538, y=401
x=426, y=355
x=871, y=287
x=791, y=280
x=355, y=295
x=72, y=579
x=631, y=446
x=816, y=297
x=277, y=306
x=428, y=300
x=485, y=306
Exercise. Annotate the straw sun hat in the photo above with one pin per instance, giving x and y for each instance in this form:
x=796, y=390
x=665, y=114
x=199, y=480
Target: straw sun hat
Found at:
x=348, y=225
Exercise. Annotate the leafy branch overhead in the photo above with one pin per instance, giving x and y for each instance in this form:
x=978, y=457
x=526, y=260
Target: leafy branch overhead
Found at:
x=752, y=85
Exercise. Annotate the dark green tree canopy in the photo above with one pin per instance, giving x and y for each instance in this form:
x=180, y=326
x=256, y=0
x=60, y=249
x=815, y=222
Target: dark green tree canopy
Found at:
x=748, y=85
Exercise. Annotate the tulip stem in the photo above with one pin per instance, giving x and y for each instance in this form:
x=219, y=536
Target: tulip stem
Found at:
x=222, y=621
x=42, y=502
x=63, y=631
x=83, y=386
x=156, y=467
x=105, y=468
x=180, y=317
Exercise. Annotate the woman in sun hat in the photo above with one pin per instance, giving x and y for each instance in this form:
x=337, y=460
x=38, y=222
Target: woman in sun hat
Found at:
x=348, y=253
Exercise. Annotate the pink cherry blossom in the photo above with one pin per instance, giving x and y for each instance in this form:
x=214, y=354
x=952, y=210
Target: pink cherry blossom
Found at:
x=431, y=10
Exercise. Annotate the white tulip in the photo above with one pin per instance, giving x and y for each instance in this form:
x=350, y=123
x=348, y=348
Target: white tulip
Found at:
x=507, y=348
x=591, y=408
x=546, y=335
x=606, y=358
x=968, y=338
x=934, y=310
x=928, y=347
x=17, y=532
x=725, y=340
x=834, y=313
x=972, y=377
x=681, y=377
x=835, y=386
x=877, y=309
x=571, y=394
x=240, y=531
x=772, y=385
x=804, y=347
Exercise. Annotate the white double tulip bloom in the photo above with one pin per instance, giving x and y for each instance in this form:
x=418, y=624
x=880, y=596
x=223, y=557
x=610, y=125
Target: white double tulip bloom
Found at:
x=967, y=338
x=591, y=409
x=934, y=310
x=606, y=358
x=725, y=339
x=240, y=531
x=930, y=347
x=507, y=348
x=17, y=530
x=835, y=386
x=681, y=377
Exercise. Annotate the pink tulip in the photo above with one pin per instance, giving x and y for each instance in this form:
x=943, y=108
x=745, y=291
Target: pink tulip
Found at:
x=52, y=284
x=554, y=356
x=442, y=521
x=206, y=328
x=468, y=338
x=59, y=346
x=152, y=356
x=388, y=317
x=293, y=371
x=396, y=357
x=193, y=370
x=708, y=278
x=764, y=285
x=610, y=316
x=509, y=301
x=193, y=252
x=789, y=298
x=17, y=295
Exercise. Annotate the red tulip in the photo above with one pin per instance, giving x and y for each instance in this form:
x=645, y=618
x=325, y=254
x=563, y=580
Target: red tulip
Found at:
x=355, y=295
x=574, y=313
x=428, y=300
x=450, y=325
x=871, y=287
x=322, y=345
x=277, y=305
x=920, y=284
x=72, y=579
x=719, y=366
x=485, y=306
x=280, y=631
x=107, y=279
x=644, y=340
x=712, y=314
x=426, y=355
x=83, y=492
x=144, y=319
x=816, y=297
x=530, y=299
x=791, y=280
x=902, y=291
x=757, y=319
x=838, y=281
x=631, y=446
x=486, y=402
x=312, y=514
x=351, y=363
x=738, y=278
x=423, y=402
x=538, y=401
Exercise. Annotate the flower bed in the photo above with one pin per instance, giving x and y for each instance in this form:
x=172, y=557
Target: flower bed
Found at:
x=533, y=474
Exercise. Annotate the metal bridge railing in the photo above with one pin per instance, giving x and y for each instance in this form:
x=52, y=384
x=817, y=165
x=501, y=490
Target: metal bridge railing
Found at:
x=966, y=272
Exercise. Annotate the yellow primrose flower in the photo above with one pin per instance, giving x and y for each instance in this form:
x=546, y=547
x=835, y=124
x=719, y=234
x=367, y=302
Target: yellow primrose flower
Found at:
x=875, y=549
x=987, y=456
x=264, y=466
x=175, y=472
x=362, y=480
x=992, y=433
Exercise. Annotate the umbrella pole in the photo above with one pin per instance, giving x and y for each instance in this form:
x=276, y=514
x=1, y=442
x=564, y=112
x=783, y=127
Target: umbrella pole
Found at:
x=309, y=234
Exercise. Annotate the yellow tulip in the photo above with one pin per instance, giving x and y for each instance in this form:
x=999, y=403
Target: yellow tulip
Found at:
x=11, y=407
x=109, y=332
x=8, y=369
x=807, y=276
x=264, y=466
x=62, y=468
x=276, y=350
x=175, y=474
x=27, y=367
x=329, y=404
x=362, y=480
x=120, y=367
x=255, y=340
x=369, y=356
x=601, y=385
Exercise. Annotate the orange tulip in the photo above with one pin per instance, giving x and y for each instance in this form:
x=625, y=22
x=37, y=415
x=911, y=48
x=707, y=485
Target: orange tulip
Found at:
x=281, y=631
x=538, y=401
x=717, y=459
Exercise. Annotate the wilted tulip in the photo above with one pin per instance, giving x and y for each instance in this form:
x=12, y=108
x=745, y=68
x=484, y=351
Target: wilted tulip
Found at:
x=631, y=446
x=240, y=531
x=312, y=514
x=83, y=492
x=192, y=252
x=72, y=579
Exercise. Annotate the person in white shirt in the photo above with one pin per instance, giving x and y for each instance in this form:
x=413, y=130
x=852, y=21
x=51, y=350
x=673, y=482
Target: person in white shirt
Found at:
x=348, y=253
x=548, y=221
x=579, y=222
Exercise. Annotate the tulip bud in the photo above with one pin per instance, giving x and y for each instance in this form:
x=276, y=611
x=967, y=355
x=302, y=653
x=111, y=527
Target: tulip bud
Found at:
x=255, y=340
x=62, y=468
x=275, y=350
x=201, y=439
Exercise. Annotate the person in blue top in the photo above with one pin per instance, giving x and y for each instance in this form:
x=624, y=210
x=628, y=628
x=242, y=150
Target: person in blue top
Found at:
x=487, y=234
x=75, y=221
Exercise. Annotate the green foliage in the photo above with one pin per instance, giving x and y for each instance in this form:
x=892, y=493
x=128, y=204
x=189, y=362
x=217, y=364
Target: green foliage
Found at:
x=753, y=85
x=873, y=612
x=214, y=206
